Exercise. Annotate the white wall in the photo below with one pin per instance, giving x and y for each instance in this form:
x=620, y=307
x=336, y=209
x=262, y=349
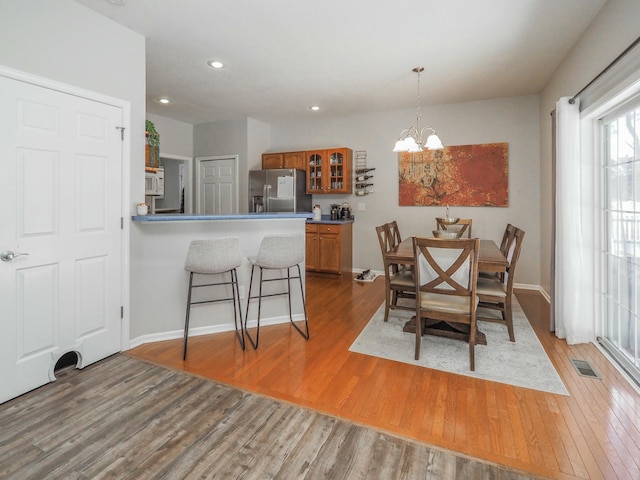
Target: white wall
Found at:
x=176, y=138
x=161, y=275
x=258, y=142
x=614, y=29
x=64, y=41
x=511, y=120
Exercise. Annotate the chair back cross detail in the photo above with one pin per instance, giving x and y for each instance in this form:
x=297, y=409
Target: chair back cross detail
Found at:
x=445, y=284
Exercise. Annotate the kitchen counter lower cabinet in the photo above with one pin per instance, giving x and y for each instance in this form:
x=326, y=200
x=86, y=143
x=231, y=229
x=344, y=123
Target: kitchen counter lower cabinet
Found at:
x=329, y=247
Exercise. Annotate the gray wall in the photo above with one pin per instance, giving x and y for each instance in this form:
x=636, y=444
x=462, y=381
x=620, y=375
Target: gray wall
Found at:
x=614, y=29
x=512, y=120
x=225, y=138
x=246, y=137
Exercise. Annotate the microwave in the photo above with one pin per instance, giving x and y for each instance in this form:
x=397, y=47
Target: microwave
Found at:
x=154, y=182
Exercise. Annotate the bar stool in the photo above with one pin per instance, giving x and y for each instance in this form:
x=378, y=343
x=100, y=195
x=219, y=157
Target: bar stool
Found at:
x=278, y=252
x=214, y=257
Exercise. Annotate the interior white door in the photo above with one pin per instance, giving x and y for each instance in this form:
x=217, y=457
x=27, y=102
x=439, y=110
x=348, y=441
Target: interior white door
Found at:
x=60, y=191
x=217, y=190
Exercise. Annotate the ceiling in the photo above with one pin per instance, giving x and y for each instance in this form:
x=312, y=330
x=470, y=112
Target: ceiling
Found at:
x=347, y=56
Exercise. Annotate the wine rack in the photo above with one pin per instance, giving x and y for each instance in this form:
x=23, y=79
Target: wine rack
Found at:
x=363, y=176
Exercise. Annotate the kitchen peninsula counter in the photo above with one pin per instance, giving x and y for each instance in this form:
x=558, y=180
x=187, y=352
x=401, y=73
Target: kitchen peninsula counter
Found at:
x=191, y=217
x=159, y=281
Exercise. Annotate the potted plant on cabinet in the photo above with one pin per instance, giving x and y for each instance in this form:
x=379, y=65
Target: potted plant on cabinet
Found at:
x=152, y=149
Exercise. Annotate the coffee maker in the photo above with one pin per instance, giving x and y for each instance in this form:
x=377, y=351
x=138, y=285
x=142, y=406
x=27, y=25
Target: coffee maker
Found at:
x=335, y=211
x=345, y=211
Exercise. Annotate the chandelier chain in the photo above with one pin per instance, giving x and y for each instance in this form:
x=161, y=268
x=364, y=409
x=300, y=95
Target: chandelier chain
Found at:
x=418, y=116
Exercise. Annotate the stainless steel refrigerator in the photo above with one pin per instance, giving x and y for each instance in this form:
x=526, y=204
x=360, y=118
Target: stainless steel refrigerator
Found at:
x=278, y=190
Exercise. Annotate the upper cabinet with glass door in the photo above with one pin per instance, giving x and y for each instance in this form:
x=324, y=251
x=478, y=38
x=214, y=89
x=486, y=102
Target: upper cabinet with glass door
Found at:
x=329, y=171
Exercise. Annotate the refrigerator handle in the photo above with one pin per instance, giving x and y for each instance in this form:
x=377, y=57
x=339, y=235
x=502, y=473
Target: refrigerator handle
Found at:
x=266, y=193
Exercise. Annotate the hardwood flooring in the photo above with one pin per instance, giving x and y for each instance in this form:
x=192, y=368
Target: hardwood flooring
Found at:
x=128, y=419
x=592, y=434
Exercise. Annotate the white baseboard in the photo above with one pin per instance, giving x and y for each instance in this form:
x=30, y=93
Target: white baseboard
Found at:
x=210, y=329
x=537, y=288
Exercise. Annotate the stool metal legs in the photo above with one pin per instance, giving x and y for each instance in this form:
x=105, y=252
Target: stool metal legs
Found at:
x=260, y=296
x=237, y=310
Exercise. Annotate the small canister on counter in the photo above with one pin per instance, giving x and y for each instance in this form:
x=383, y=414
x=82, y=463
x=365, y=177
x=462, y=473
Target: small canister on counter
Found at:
x=317, y=212
x=142, y=209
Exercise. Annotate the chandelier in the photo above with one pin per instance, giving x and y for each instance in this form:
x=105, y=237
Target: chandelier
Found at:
x=414, y=139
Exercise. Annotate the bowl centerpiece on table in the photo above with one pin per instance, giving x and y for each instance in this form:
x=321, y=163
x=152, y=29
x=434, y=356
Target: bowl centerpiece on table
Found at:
x=447, y=234
x=447, y=219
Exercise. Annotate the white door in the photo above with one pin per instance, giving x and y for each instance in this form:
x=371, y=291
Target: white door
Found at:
x=217, y=185
x=60, y=192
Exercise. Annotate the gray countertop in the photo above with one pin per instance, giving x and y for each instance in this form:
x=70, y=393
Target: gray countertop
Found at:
x=184, y=217
x=327, y=219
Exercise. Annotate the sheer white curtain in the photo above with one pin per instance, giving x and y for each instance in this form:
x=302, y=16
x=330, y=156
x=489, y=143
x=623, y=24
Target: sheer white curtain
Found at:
x=574, y=283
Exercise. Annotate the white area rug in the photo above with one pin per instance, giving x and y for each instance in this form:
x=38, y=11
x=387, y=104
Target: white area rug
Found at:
x=523, y=363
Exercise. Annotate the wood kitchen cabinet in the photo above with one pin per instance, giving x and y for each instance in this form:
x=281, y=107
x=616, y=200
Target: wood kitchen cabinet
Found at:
x=329, y=171
x=295, y=160
x=329, y=247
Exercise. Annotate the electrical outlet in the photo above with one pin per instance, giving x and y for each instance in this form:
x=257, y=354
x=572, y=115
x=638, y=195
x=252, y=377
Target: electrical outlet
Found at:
x=362, y=207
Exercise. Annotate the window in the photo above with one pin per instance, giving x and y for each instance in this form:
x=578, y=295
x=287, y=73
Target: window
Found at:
x=621, y=223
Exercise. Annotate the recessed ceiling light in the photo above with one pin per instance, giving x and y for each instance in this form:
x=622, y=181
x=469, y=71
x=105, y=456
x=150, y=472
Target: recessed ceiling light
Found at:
x=315, y=108
x=164, y=100
x=215, y=64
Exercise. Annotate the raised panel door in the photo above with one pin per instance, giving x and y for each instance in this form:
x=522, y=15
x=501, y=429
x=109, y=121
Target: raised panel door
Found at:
x=272, y=160
x=60, y=192
x=329, y=252
x=217, y=190
x=295, y=160
x=312, y=255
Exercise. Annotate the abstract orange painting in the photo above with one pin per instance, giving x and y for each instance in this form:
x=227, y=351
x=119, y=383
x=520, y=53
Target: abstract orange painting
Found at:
x=461, y=175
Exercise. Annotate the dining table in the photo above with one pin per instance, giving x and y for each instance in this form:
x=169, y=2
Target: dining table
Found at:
x=490, y=259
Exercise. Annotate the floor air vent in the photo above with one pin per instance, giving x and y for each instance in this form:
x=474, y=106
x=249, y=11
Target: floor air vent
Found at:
x=584, y=368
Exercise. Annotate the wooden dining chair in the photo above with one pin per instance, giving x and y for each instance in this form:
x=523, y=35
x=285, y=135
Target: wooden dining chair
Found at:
x=399, y=281
x=507, y=238
x=496, y=293
x=446, y=274
x=395, y=233
x=505, y=246
x=463, y=226
x=396, y=238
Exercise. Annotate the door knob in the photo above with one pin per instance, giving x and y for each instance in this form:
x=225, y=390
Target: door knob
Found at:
x=8, y=255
